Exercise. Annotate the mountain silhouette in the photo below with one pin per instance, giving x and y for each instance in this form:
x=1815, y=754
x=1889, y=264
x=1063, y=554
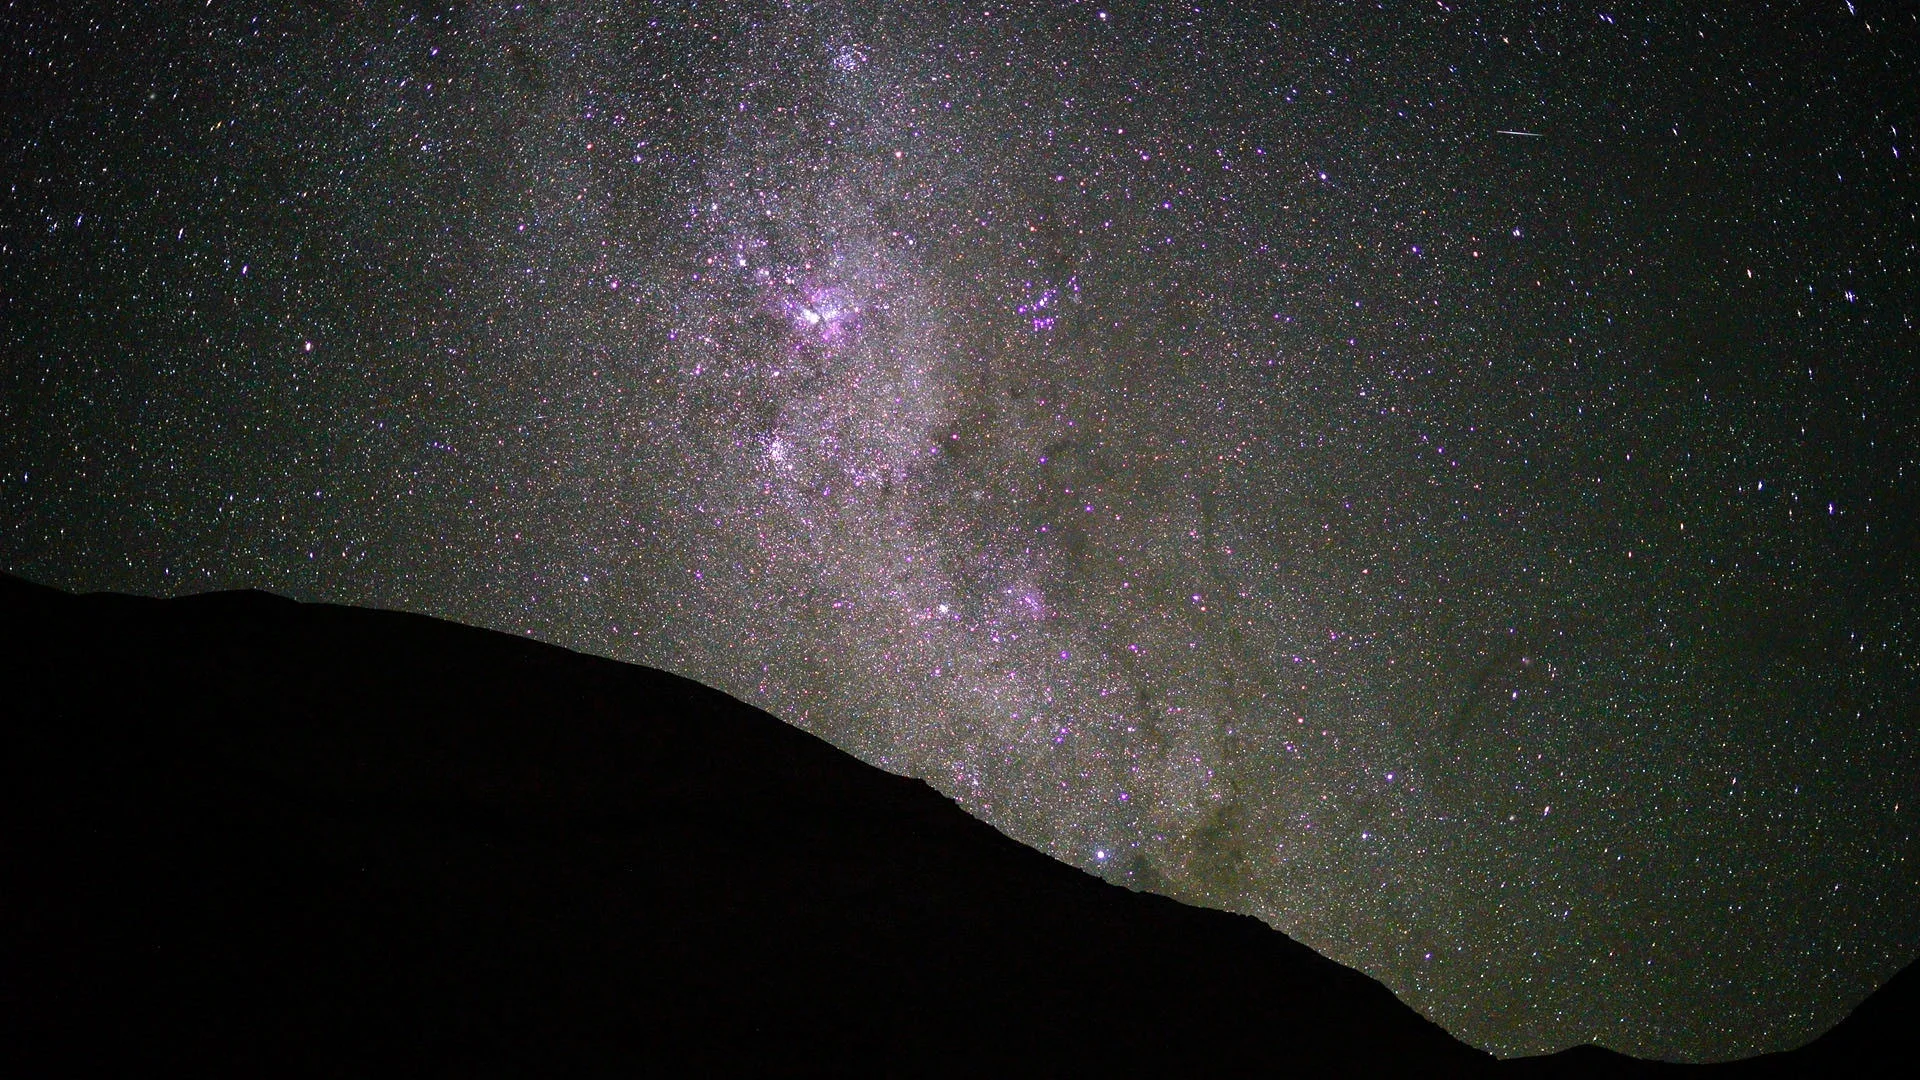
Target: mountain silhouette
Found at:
x=246, y=835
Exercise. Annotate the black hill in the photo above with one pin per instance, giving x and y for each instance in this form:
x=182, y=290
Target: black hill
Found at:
x=245, y=835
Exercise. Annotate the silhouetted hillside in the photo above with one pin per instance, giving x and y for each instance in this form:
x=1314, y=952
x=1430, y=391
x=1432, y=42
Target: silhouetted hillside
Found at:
x=246, y=835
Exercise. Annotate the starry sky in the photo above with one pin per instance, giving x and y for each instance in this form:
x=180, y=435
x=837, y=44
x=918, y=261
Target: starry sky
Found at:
x=1437, y=476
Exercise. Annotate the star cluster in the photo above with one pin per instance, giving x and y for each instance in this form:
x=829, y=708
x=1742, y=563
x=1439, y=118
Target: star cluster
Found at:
x=1437, y=477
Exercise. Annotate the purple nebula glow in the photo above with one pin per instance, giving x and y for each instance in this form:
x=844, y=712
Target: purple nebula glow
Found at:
x=822, y=314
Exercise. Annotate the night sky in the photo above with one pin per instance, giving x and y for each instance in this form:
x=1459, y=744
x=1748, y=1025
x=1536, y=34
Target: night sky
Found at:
x=1439, y=477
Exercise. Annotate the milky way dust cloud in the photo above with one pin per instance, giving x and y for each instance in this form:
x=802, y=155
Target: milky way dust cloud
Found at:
x=1437, y=477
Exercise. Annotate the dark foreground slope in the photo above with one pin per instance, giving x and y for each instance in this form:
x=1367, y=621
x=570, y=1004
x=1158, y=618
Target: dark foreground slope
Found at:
x=247, y=835
x=244, y=835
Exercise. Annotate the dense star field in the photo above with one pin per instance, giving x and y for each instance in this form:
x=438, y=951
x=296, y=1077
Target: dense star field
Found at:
x=1437, y=476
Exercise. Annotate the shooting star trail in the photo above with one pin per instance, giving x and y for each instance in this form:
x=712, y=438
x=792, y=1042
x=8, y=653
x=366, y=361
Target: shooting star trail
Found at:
x=1525, y=134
